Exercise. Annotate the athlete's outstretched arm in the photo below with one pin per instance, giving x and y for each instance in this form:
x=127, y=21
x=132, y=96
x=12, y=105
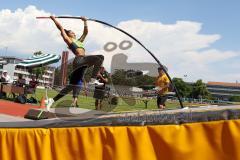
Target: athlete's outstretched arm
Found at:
x=85, y=30
x=63, y=33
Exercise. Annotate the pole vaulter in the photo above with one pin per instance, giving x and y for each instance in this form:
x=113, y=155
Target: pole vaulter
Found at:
x=107, y=24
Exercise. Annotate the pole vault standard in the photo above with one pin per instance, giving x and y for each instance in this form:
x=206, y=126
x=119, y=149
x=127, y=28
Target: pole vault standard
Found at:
x=107, y=24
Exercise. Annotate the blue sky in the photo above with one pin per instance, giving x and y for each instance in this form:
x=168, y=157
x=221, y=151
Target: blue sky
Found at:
x=217, y=16
x=218, y=38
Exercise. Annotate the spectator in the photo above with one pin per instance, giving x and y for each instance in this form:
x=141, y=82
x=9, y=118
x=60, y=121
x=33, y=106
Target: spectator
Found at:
x=33, y=83
x=21, y=81
x=162, y=85
x=100, y=90
x=5, y=77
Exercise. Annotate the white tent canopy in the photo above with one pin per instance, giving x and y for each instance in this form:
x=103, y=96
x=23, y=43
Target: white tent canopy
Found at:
x=39, y=60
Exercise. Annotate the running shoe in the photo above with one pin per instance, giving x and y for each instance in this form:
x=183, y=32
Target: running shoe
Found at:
x=49, y=103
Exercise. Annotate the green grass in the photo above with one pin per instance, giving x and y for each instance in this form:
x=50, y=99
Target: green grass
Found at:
x=89, y=102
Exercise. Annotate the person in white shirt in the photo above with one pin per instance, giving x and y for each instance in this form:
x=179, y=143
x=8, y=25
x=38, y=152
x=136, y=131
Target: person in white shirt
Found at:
x=5, y=77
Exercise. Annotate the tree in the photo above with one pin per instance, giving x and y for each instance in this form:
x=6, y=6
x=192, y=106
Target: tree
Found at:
x=119, y=77
x=145, y=80
x=131, y=78
x=183, y=88
x=37, y=53
x=38, y=71
x=234, y=99
x=57, y=76
x=200, y=90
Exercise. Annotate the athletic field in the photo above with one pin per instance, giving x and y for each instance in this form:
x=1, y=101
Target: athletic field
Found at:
x=88, y=102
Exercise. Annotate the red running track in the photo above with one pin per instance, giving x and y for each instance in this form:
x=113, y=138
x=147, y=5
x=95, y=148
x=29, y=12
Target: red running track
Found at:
x=15, y=109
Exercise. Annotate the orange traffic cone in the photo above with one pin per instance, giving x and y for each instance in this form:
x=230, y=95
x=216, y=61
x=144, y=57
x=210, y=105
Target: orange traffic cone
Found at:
x=43, y=103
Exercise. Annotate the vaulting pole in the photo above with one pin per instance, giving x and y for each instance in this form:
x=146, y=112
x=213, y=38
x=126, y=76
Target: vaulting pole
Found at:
x=107, y=24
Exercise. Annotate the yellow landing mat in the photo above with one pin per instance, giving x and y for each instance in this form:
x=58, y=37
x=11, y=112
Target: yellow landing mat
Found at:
x=217, y=140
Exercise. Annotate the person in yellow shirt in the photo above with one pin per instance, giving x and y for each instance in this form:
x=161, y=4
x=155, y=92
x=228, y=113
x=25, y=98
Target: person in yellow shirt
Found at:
x=162, y=85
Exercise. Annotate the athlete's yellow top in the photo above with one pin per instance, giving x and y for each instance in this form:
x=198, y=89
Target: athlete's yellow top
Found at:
x=162, y=82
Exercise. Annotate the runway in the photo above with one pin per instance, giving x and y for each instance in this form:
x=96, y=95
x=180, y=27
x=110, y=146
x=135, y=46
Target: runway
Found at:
x=11, y=115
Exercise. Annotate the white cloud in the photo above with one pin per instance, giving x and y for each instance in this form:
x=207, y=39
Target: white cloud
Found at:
x=21, y=32
x=181, y=46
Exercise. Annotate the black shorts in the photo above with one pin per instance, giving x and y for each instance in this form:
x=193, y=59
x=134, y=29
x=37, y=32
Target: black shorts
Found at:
x=76, y=77
x=99, y=93
x=76, y=90
x=78, y=71
x=161, y=99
